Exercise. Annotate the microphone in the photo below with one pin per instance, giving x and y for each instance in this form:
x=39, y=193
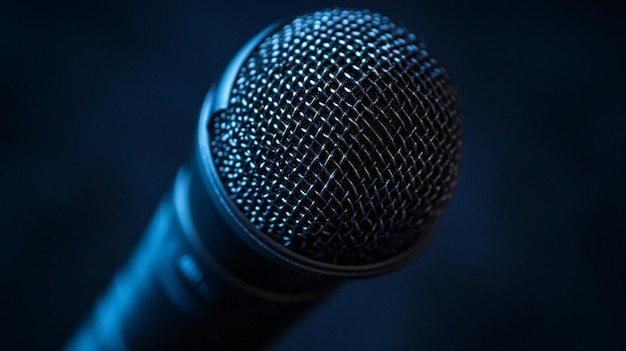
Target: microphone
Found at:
x=328, y=150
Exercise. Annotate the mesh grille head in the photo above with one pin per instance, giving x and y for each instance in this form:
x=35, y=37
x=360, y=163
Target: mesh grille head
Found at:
x=342, y=138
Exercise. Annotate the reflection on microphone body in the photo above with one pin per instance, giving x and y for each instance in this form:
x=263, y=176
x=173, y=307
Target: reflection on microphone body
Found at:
x=327, y=151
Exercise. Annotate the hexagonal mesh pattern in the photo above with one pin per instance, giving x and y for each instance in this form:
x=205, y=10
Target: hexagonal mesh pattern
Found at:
x=342, y=138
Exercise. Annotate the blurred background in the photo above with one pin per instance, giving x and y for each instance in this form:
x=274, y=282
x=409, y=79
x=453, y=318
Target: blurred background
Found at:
x=99, y=103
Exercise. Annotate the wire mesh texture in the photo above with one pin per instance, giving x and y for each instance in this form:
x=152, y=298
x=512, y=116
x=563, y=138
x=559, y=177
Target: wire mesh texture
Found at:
x=342, y=138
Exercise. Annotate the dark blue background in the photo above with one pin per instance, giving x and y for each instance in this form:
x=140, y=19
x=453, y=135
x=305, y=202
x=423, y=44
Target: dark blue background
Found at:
x=98, y=109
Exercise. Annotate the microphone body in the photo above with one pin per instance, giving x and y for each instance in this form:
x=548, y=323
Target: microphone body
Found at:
x=305, y=171
x=173, y=294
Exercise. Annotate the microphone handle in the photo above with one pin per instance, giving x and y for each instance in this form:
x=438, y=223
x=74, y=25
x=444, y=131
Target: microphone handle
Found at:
x=174, y=294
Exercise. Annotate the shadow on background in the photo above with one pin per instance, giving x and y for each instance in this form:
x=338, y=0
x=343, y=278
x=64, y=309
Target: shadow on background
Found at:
x=99, y=106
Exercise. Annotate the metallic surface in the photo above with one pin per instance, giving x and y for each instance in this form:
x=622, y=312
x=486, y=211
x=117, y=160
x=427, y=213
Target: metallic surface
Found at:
x=341, y=139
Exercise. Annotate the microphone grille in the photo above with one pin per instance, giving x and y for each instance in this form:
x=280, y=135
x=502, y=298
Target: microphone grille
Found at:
x=342, y=138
